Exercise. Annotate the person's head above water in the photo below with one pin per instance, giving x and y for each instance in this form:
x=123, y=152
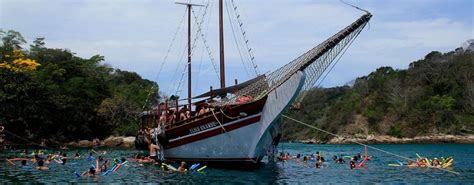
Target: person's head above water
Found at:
x=40, y=163
x=92, y=170
x=23, y=162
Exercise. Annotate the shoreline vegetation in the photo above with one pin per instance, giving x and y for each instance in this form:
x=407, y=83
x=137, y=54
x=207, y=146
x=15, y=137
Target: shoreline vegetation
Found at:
x=52, y=96
x=430, y=101
x=384, y=139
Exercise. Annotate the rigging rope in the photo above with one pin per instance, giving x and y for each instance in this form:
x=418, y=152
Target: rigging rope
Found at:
x=165, y=58
x=246, y=40
x=359, y=143
x=19, y=137
x=203, y=36
x=235, y=40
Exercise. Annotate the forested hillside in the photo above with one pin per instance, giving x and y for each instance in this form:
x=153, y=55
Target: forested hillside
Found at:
x=433, y=96
x=48, y=93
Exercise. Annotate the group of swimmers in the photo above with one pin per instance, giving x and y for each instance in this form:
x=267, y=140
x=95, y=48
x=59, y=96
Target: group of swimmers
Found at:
x=39, y=159
x=425, y=162
x=356, y=161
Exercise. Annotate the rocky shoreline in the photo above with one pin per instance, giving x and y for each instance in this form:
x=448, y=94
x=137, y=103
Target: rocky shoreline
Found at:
x=112, y=141
x=383, y=139
x=129, y=142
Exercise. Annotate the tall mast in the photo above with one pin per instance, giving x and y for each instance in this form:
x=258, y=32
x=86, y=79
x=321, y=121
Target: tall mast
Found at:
x=189, y=6
x=221, y=45
x=189, y=56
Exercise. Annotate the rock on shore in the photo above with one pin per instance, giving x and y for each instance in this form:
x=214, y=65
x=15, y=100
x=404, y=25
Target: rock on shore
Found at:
x=372, y=139
x=112, y=141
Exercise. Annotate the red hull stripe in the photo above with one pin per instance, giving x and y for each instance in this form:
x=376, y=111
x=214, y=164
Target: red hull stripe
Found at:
x=213, y=132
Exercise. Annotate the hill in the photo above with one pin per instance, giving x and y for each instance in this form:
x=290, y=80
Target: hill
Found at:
x=52, y=94
x=434, y=96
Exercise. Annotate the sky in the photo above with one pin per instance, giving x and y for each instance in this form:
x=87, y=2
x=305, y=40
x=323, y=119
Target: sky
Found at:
x=135, y=35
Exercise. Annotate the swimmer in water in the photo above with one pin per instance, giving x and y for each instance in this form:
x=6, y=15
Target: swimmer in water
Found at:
x=41, y=165
x=23, y=163
x=352, y=164
x=64, y=159
x=340, y=160
x=77, y=155
x=90, y=172
x=182, y=167
x=305, y=161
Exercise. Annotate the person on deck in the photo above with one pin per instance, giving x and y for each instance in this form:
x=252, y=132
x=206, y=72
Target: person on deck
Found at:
x=182, y=114
x=203, y=110
x=163, y=118
x=171, y=117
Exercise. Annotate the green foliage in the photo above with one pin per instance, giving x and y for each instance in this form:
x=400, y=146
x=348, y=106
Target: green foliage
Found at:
x=433, y=96
x=69, y=97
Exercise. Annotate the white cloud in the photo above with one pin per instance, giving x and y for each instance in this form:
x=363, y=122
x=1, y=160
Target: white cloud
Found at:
x=135, y=35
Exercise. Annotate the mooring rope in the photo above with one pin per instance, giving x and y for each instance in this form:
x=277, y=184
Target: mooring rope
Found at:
x=19, y=137
x=359, y=143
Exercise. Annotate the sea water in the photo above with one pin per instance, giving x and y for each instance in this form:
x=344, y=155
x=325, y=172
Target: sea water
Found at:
x=289, y=172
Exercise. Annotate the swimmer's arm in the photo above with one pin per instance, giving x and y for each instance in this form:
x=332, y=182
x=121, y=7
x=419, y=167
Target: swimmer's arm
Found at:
x=10, y=162
x=97, y=165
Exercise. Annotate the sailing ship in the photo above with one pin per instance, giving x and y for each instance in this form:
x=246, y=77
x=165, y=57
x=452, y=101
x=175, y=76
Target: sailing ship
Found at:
x=242, y=125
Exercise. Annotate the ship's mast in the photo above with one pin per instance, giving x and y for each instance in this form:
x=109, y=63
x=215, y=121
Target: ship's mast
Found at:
x=189, y=56
x=221, y=45
x=189, y=6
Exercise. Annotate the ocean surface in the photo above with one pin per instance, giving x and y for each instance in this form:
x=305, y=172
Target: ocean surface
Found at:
x=288, y=172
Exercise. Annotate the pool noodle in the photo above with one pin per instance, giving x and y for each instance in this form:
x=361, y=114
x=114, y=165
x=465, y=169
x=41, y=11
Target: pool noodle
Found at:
x=77, y=174
x=8, y=160
x=194, y=166
x=108, y=171
x=202, y=168
x=418, y=155
x=119, y=165
x=170, y=167
x=363, y=162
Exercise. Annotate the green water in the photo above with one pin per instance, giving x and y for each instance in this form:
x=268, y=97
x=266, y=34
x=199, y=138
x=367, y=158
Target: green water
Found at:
x=279, y=172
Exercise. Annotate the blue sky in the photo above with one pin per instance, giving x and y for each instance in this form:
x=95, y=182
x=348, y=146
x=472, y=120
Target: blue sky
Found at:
x=135, y=35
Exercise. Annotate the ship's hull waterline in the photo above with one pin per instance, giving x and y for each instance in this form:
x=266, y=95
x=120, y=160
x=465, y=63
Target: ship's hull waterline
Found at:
x=245, y=141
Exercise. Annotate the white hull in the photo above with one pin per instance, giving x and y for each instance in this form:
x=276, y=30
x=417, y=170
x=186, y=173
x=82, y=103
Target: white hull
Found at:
x=248, y=143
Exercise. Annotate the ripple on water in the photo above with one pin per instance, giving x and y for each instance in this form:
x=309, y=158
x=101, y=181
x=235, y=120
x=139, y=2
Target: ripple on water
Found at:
x=288, y=172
